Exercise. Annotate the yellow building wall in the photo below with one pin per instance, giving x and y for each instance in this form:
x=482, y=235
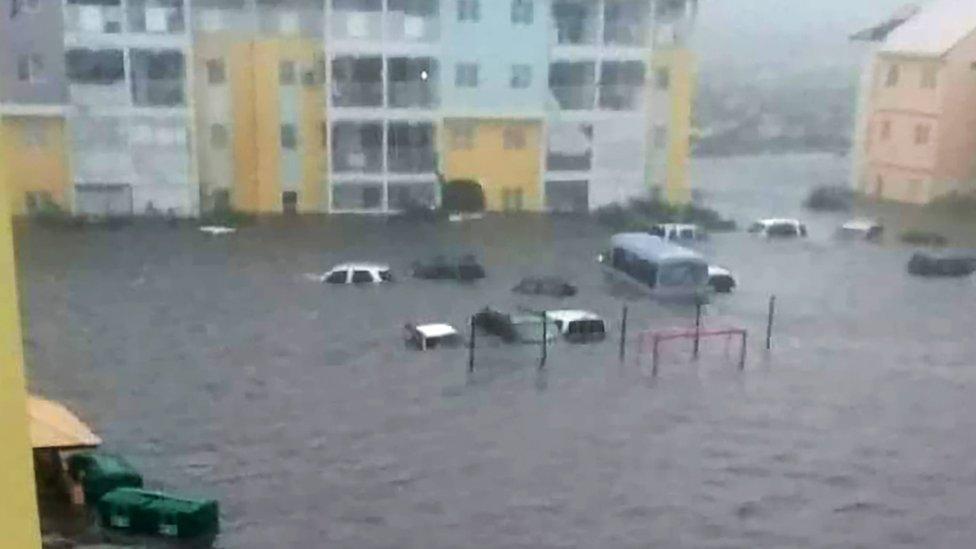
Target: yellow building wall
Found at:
x=496, y=168
x=680, y=63
x=34, y=147
x=252, y=68
x=19, y=522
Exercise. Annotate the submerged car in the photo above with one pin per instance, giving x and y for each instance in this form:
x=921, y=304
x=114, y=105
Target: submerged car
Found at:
x=520, y=328
x=949, y=264
x=861, y=229
x=358, y=273
x=579, y=326
x=440, y=268
x=431, y=336
x=551, y=286
x=677, y=232
x=720, y=279
x=778, y=228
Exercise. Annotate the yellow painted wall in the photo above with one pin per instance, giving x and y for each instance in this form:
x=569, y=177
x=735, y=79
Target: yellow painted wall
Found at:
x=680, y=62
x=19, y=523
x=492, y=165
x=34, y=147
x=252, y=72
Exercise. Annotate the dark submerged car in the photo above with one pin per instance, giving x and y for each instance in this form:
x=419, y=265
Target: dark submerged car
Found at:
x=441, y=268
x=942, y=265
x=549, y=286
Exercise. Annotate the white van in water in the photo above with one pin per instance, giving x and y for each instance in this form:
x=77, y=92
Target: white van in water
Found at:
x=778, y=228
x=430, y=336
x=665, y=269
x=578, y=326
x=358, y=273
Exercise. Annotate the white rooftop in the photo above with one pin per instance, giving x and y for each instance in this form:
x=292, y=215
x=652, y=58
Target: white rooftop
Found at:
x=935, y=30
x=436, y=330
x=567, y=315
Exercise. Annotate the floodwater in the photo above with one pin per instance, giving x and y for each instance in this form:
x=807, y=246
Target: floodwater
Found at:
x=217, y=368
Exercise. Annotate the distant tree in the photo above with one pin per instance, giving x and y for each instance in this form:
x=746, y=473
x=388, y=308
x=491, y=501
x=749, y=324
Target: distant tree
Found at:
x=463, y=195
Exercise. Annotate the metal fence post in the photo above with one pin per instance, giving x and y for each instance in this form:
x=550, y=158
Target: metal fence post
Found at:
x=769, y=322
x=471, y=346
x=623, y=334
x=698, y=311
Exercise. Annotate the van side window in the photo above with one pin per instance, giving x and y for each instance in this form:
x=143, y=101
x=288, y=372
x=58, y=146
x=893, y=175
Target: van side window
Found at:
x=803, y=230
x=620, y=259
x=385, y=276
x=362, y=277
x=688, y=234
x=338, y=277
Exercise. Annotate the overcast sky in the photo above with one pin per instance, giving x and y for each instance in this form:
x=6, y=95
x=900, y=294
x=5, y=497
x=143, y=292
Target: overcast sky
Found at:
x=774, y=32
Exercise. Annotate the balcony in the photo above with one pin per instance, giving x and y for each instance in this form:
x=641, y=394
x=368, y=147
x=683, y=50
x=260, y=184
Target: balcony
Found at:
x=403, y=195
x=357, y=196
x=356, y=20
x=411, y=160
x=574, y=98
x=93, y=17
x=166, y=92
x=621, y=97
x=357, y=94
x=157, y=78
x=156, y=16
x=625, y=22
x=576, y=22
x=405, y=95
x=357, y=147
x=413, y=21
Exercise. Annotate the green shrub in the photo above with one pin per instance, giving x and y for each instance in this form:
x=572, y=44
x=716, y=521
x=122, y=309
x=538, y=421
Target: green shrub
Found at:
x=642, y=214
x=462, y=195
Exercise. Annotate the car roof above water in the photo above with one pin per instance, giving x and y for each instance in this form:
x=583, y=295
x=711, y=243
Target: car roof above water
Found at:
x=362, y=266
x=653, y=247
x=571, y=315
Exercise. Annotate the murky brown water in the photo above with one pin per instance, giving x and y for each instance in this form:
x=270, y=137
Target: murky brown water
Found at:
x=218, y=369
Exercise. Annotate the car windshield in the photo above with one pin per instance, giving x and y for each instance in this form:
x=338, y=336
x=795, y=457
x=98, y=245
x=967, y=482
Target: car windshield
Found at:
x=682, y=274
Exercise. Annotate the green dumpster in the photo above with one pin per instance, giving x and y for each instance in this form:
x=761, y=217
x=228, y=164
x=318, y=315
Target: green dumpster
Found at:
x=101, y=473
x=155, y=513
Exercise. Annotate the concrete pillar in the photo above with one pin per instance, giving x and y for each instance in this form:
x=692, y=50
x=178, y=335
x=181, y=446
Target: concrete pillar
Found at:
x=19, y=523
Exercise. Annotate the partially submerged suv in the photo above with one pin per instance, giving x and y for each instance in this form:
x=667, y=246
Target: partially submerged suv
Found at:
x=358, y=273
x=522, y=328
x=579, y=326
x=778, y=228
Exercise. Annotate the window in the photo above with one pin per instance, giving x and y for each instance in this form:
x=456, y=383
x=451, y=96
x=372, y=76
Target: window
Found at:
x=885, y=130
x=469, y=10
x=216, y=73
x=892, y=79
x=86, y=66
x=337, y=277
x=466, y=75
x=362, y=277
x=289, y=202
x=662, y=78
x=30, y=68
x=522, y=12
x=324, y=132
x=308, y=78
x=218, y=136
x=286, y=72
x=521, y=76
x=513, y=138
x=930, y=75
x=462, y=136
x=922, y=132
x=660, y=136
x=289, y=136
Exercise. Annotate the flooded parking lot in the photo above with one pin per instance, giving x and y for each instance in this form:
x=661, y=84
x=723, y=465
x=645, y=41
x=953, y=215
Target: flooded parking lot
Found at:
x=220, y=370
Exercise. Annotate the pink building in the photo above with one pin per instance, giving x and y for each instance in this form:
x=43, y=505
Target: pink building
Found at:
x=919, y=139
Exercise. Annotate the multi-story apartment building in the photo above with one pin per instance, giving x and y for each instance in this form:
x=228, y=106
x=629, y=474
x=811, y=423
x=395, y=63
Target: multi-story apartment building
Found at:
x=130, y=123
x=366, y=106
x=33, y=99
x=259, y=78
x=918, y=139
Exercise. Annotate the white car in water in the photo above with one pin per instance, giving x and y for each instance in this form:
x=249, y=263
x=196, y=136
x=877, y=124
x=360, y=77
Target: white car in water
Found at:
x=720, y=279
x=358, y=273
x=778, y=228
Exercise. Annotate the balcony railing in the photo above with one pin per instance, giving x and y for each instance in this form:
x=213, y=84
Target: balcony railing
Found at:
x=625, y=33
x=561, y=162
x=357, y=25
x=99, y=94
x=413, y=95
x=366, y=160
x=621, y=97
x=410, y=160
x=582, y=97
x=157, y=93
x=357, y=94
x=412, y=28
